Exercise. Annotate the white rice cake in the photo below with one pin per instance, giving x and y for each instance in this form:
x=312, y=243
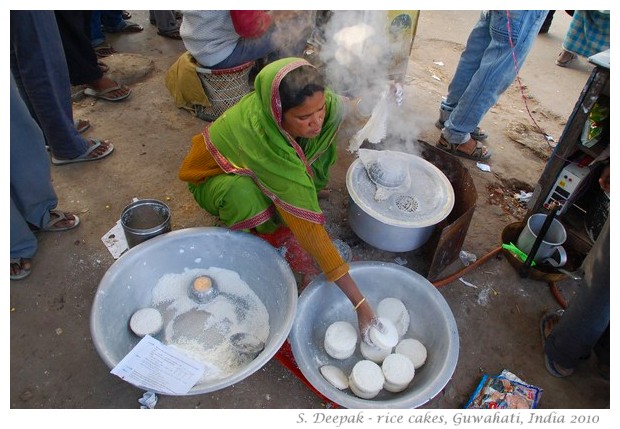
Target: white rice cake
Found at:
x=395, y=310
x=146, y=321
x=366, y=379
x=387, y=338
x=375, y=354
x=340, y=340
x=335, y=376
x=414, y=350
x=398, y=371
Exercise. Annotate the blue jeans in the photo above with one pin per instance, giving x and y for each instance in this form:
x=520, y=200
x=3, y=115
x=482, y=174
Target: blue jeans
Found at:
x=40, y=70
x=32, y=193
x=108, y=18
x=584, y=326
x=487, y=68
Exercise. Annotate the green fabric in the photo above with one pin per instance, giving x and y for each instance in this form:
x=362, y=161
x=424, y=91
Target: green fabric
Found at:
x=234, y=199
x=248, y=140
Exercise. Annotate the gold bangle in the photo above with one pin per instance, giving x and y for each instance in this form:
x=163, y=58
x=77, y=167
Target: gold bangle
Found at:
x=359, y=303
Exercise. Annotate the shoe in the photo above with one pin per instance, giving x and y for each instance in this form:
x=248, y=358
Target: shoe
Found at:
x=86, y=155
x=125, y=27
x=480, y=152
x=22, y=268
x=173, y=34
x=547, y=322
x=565, y=58
x=57, y=216
x=104, y=93
x=81, y=125
x=477, y=134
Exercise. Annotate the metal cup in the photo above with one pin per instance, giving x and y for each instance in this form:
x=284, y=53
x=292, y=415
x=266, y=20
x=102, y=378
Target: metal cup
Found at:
x=551, y=250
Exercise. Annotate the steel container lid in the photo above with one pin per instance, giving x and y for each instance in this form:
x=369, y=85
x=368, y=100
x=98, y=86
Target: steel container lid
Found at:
x=407, y=191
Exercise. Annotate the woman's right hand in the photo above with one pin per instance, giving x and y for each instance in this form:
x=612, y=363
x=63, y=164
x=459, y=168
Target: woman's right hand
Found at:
x=366, y=320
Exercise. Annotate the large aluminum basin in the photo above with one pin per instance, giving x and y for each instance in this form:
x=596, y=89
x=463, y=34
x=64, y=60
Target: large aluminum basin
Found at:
x=432, y=322
x=127, y=286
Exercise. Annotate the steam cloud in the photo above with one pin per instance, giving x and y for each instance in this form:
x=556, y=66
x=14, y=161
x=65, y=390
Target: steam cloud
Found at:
x=359, y=56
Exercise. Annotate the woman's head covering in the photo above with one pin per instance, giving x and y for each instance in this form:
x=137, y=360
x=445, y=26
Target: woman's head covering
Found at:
x=248, y=139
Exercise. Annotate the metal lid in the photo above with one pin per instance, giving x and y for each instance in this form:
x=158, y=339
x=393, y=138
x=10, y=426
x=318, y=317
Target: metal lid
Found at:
x=423, y=195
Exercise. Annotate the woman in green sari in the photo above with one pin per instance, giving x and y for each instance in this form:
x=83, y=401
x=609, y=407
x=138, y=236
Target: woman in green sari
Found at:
x=260, y=166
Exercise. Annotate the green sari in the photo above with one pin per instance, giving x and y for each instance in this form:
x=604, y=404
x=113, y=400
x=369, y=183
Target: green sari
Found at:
x=248, y=140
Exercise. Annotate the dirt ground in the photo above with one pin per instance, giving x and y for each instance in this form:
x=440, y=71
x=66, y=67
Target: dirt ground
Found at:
x=53, y=362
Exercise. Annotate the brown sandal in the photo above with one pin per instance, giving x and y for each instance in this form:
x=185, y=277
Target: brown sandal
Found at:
x=103, y=51
x=565, y=58
x=480, y=152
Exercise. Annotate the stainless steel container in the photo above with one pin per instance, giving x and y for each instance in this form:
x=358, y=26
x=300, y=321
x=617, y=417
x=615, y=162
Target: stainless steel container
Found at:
x=431, y=322
x=128, y=286
x=397, y=218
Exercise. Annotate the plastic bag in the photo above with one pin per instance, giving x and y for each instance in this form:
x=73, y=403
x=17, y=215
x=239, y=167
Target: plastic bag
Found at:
x=593, y=128
x=505, y=390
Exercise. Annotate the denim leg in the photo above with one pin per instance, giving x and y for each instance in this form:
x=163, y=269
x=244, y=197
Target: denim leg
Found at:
x=248, y=50
x=40, y=70
x=96, y=33
x=112, y=19
x=586, y=320
x=477, y=42
x=508, y=33
x=32, y=193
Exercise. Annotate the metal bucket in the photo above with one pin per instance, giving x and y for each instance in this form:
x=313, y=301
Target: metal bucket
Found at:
x=144, y=219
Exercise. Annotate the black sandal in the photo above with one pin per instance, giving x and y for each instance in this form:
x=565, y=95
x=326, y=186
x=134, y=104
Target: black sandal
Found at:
x=173, y=34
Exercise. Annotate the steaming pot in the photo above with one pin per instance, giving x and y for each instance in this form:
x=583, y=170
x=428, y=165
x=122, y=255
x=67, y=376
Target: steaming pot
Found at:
x=397, y=217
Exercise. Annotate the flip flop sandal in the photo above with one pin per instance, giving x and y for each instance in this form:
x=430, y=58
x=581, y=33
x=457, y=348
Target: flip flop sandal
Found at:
x=476, y=154
x=60, y=216
x=103, y=94
x=85, y=157
x=549, y=364
x=477, y=134
x=126, y=15
x=127, y=27
x=566, y=62
x=103, y=51
x=81, y=125
x=23, y=272
x=174, y=34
